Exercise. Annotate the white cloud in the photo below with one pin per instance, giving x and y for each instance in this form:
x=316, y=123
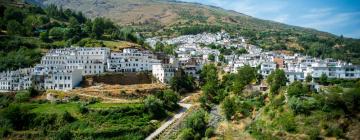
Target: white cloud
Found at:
x=333, y=20
x=282, y=18
x=318, y=13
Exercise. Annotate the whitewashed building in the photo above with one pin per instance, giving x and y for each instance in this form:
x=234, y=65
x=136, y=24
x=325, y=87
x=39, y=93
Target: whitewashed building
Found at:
x=90, y=61
x=163, y=72
x=15, y=80
x=131, y=60
x=266, y=68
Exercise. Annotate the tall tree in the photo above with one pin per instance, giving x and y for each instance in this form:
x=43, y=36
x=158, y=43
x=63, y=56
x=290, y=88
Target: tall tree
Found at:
x=276, y=80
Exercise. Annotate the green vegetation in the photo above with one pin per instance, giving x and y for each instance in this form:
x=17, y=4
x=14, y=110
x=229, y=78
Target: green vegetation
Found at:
x=87, y=119
x=276, y=80
x=182, y=83
x=167, y=49
x=26, y=31
x=195, y=126
x=317, y=116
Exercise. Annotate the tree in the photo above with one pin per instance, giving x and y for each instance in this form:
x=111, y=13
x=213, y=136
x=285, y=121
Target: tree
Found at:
x=211, y=57
x=44, y=36
x=155, y=107
x=14, y=27
x=244, y=76
x=308, y=78
x=181, y=82
x=170, y=99
x=228, y=106
x=14, y=14
x=186, y=134
x=296, y=89
x=323, y=79
x=211, y=86
x=197, y=121
x=56, y=33
x=276, y=80
x=222, y=58
x=97, y=28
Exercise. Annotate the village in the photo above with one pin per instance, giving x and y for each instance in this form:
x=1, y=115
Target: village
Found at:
x=64, y=69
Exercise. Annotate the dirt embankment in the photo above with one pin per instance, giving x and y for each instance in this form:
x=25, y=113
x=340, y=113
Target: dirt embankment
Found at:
x=118, y=79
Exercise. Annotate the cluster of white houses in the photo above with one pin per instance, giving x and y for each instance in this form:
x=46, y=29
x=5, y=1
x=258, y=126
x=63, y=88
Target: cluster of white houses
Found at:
x=296, y=66
x=63, y=69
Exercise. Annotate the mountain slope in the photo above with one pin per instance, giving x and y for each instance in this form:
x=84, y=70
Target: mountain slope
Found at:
x=164, y=12
x=171, y=18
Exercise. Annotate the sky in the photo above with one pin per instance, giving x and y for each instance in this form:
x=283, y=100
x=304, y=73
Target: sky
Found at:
x=340, y=17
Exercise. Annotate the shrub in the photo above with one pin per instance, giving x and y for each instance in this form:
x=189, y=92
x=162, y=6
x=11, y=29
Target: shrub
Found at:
x=228, y=106
x=16, y=116
x=197, y=121
x=83, y=109
x=155, y=107
x=186, y=134
x=22, y=96
x=63, y=134
x=209, y=132
x=67, y=117
x=296, y=89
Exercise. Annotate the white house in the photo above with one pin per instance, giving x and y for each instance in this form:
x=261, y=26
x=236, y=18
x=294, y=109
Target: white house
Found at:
x=131, y=60
x=163, y=72
x=90, y=61
x=15, y=80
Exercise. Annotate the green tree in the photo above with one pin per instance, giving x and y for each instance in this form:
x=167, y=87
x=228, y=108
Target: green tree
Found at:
x=155, y=107
x=181, y=82
x=229, y=106
x=211, y=57
x=245, y=75
x=44, y=36
x=211, y=84
x=97, y=28
x=186, y=134
x=308, y=78
x=14, y=27
x=221, y=58
x=56, y=33
x=170, y=99
x=323, y=79
x=197, y=121
x=14, y=14
x=296, y=89
x=276, y=80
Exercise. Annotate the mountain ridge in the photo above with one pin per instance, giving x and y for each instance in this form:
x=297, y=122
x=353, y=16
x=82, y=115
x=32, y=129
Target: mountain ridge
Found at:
x=98, y=5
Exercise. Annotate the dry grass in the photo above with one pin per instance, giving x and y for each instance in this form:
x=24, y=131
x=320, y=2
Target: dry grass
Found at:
x=119, y=45
x=118, y=92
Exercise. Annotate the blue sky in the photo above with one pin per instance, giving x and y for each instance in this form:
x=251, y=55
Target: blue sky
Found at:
x=340, y=17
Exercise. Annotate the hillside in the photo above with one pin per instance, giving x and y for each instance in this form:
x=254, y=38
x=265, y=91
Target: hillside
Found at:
x=168, y=18
x=28, y=31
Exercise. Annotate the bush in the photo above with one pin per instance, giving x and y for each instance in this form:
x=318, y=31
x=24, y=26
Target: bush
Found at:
x=22, y=96
x=228, y=106
x=63, y=134
x=16, y=116
x=197, y=121
x=186, y=134
x=83, y=109
x=209, y=132
x=296, y=89
x=155, y=107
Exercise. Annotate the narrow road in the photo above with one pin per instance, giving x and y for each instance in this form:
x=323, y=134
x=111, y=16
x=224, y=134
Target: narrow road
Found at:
x=178, y=115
